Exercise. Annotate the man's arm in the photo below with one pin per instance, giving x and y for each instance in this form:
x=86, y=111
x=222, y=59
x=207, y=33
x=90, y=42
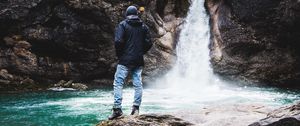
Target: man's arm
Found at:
x=119, y=41
x=148, y=41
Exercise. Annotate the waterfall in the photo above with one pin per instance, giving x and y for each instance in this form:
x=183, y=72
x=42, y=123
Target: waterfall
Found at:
x=191, y=80
x=192, y=68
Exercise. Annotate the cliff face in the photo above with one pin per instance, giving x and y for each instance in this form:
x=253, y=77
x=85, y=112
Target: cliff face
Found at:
x=44, y=41
x=256, y=40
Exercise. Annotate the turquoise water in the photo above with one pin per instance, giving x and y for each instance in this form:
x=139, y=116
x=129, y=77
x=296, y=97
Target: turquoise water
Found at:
x=69, y=108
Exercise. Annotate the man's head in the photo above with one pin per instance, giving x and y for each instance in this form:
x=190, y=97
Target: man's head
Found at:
x=131, y=10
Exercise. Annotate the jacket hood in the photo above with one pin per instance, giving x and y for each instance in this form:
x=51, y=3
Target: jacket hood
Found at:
x=134, y=20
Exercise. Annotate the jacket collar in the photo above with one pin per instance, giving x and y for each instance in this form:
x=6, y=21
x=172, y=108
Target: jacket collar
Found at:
x=133, y=17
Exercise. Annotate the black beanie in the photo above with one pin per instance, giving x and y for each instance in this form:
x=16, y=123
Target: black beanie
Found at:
x=131, y=10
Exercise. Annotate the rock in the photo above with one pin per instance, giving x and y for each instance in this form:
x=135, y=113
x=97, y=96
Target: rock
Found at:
x=147, y=120
x=9, y=41
x=5, y=82
x=60, y=83
x=67, y=84
x=70, y=85
x=79, y=86
x=256, y=40
x=284, y=116
x=224, y=114
x=23, y=44
x=17, y=42
x=5, y=75
x=53, y=40
x=11, y=82
x=27, y=81
x=166, y=42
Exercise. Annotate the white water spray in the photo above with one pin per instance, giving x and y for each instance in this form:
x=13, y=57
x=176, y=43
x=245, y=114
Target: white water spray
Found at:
x=192, y=69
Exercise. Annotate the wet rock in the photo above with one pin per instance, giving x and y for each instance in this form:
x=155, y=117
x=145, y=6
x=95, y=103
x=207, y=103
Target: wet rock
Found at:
x=70, y=85
x=284, y=116
x=11, y=82
x=256, y=40
x=147, y=120
x=52, y=40
x=79, y=86
x=164, y=43
x=224, y=114
x=60, y=83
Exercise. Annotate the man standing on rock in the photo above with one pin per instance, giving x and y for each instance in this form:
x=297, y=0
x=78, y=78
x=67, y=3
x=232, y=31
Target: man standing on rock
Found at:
x=132, y=41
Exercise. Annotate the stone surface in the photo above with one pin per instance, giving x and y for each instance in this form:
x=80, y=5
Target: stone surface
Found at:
x=69, y=84
x=52, y=40
x=256, y=40
x=224, y=114
x=284, y=116
x=146, y=120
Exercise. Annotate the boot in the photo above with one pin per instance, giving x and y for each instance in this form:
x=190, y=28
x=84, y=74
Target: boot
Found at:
x=117, y=112
x=135, y=110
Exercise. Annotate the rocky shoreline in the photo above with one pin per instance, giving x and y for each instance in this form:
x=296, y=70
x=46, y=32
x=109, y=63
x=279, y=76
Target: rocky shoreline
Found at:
x=219, y=115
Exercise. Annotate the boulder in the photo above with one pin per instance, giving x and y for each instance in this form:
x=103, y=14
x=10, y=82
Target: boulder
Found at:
x=284, y=116
x=69, y=84
x=146, y=120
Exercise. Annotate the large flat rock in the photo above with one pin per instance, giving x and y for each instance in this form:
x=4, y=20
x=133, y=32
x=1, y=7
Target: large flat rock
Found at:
x=225, y=114
x=146, y=120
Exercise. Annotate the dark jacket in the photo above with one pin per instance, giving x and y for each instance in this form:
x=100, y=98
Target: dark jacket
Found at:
x=132, y=41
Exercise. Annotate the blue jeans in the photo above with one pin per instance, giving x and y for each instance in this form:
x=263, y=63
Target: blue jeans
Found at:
x=120, y=76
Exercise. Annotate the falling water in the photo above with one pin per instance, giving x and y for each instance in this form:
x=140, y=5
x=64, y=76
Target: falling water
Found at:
x=192, y=68
x=192, y=77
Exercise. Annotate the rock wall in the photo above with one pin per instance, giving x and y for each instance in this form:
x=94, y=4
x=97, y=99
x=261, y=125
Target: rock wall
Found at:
x=256, y=40
x=44, y=41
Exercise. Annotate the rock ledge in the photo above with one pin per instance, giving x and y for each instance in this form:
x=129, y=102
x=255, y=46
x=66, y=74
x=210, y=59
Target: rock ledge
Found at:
x=146, y=120
x=284, y=116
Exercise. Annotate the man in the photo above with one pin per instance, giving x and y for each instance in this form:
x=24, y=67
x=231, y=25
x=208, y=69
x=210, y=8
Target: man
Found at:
x=132, y=41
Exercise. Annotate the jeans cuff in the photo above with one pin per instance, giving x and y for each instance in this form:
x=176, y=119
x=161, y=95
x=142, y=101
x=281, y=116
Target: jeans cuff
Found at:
x=117, y=106
x=135, y=104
